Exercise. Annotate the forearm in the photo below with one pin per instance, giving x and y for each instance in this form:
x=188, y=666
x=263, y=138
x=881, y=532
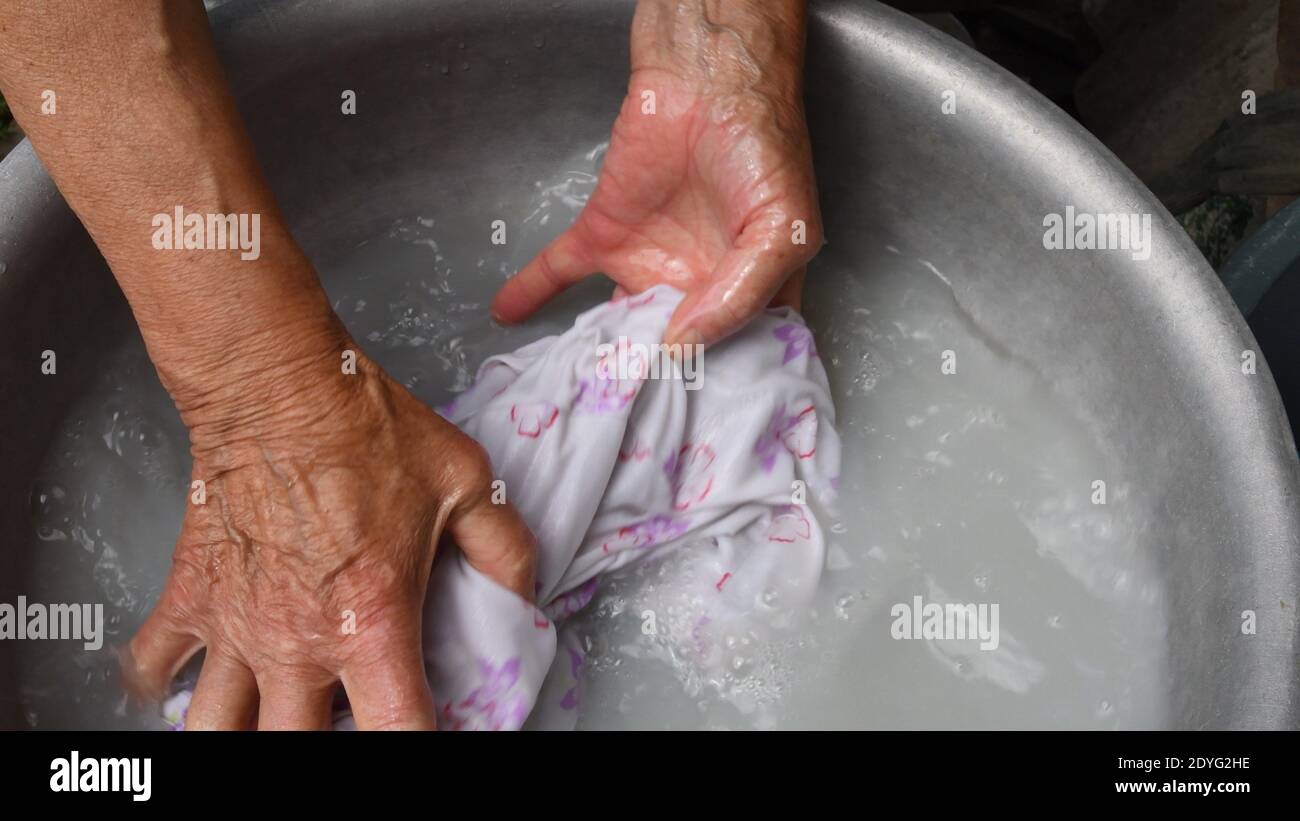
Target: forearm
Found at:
x=744, y=45
x=142, y=123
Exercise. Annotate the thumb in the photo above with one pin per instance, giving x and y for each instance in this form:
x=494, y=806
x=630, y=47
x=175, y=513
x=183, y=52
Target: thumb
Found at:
x=790, y=294
x=496, y=542
x=745, y=280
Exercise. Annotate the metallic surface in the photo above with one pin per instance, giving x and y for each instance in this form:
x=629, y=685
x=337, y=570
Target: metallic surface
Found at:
x=1148, y=351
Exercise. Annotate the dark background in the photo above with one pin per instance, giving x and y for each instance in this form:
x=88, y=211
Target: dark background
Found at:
x=1161, y=83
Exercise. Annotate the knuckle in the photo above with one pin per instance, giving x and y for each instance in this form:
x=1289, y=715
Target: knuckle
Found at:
x=475, y=475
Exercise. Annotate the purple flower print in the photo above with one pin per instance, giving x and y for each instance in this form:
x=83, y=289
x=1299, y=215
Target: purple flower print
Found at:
x=768, y=445
x=798, y=340
x=652, y=531
x=570, y=699
x=796, y=433
x=700, y=635
x=176, y=709
x=492, y=705
x=599, y=396
x=800, y=437
x=617, y=377
x=571, y=602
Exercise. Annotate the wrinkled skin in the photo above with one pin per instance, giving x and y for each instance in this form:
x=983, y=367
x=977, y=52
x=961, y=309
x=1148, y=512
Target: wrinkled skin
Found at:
x=702, y=193
x=325, y=491
x=326, y=494
x=331, y=521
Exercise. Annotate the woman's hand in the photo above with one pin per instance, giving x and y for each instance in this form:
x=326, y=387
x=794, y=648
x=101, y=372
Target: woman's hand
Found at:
x=307, y=562
x=708, y=182
x=324, y=489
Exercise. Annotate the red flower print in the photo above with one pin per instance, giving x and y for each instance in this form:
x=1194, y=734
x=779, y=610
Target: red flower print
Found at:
x=690, y=474
x=790, y=524
x=801, y=436
x=531, y=418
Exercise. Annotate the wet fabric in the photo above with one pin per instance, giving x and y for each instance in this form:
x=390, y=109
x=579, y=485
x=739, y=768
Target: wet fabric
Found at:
x=613, y=456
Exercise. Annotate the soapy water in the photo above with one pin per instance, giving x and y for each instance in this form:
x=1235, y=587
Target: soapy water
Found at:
x=967, y=487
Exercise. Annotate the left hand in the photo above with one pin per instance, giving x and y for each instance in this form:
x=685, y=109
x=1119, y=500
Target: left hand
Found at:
x=708, y=182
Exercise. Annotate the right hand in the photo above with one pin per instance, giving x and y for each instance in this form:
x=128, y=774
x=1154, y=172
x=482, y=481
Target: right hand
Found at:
x=704, y=189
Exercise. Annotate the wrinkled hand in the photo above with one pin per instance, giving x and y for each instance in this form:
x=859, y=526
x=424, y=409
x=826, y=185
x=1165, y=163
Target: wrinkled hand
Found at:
x=323, y=508
x=706, y=182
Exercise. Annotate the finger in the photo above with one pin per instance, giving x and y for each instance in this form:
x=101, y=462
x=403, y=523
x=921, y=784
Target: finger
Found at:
x=745, y=280
x=391, y=693
x=790, y=294
x=159, y=649
x=560, y=264
x=225, y=697
x=497, y=543
x=290, y=700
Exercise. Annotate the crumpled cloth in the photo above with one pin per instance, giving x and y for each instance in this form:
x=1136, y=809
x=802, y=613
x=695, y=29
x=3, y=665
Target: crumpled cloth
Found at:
x=608, y=467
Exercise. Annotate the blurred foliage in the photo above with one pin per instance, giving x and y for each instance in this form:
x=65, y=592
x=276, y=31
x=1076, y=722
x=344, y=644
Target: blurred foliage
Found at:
x=1219, y=224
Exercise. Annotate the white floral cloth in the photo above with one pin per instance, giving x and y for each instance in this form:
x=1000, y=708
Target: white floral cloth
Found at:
x=610, y=466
